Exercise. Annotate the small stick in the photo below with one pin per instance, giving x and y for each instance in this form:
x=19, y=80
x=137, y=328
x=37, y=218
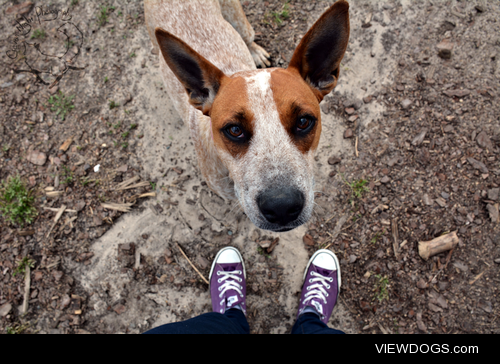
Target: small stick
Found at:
x=427, y=249
x=395, y=236
x=192, y=265
x=56, y=219
x=27, y=287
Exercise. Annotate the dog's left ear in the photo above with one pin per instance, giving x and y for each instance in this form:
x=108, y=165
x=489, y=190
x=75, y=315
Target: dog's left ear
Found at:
x=201, y=78
x=317, y=58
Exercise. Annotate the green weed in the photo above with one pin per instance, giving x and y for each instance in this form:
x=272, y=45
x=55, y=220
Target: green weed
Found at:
x=61, y=104
x=16, y=202
x=381, y=288
x=22, y=265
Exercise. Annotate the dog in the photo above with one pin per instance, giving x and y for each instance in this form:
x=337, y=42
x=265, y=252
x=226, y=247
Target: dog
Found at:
x=255, y=131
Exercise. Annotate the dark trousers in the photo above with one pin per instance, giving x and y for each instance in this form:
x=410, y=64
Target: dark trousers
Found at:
x=235, y=322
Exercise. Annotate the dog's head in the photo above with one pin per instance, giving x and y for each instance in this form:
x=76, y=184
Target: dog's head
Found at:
x=267, y=123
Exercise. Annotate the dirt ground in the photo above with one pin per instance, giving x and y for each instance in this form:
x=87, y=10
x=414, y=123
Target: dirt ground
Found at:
x=415, y=115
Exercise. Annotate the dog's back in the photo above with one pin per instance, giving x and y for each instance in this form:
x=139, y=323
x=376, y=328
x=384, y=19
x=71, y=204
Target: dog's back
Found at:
x=200, y=24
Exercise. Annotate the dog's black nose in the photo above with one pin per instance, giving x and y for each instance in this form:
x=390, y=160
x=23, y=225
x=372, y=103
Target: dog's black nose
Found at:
x=281, y=205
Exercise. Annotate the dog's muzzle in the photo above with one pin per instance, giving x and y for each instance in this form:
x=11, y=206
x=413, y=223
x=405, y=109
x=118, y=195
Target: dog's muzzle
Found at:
x=281, y=206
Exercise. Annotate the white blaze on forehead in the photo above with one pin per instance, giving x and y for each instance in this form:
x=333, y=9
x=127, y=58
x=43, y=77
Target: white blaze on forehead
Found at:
x=271, y=147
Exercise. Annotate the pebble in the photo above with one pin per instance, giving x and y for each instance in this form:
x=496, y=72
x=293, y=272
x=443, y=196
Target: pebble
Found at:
x=478, y=165
x=385, y=180
x=483, y=140
x=428, y=201
x=348, y=134
x=334, y=160
x=493, y=194
x=5, y=309
x=37, y=158
x=493, y=210
x=406, y=103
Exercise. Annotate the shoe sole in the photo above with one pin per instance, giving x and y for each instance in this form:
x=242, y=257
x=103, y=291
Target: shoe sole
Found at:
x=217, y=258
x=324, y=251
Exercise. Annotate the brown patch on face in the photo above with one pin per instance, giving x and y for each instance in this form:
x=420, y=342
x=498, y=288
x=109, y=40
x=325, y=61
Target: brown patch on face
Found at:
x=231, y=108
x=295, y=100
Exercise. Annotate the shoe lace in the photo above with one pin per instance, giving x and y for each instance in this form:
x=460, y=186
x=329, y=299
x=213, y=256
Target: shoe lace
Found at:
x=230, y=280
x=317, y=288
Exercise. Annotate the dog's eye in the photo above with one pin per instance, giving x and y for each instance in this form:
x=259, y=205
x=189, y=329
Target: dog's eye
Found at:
x=305, y=124
x=235, y=131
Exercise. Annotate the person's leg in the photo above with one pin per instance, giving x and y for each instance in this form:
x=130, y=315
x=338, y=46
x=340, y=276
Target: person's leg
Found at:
x=310, y=323
x=228, y=293
x=232, y=322
x=319, y=294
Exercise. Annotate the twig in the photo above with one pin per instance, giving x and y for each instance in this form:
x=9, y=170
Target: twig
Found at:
x=356, y=147
x=140, y=184
x=124, y=207
x=337, y=229
x=395, y=235
x=57, y=210
x=56, y=219
x=27, y=288
x=192, y=265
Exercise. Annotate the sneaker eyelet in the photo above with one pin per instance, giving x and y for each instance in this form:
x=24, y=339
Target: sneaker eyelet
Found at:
x=310, y=281
x=327, y=286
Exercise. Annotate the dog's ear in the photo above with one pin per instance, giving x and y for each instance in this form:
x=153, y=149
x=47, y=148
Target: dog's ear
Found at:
x=317, y=57
x=200, y=77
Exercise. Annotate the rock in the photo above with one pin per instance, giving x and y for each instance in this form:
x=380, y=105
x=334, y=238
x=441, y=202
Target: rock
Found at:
x=478, y=165
x=37, y=158
x=427, y=200
x=493, y=210
x=349, y=110
x=203, y=263
x=348, y=134
x=385, y=180
x=485, y=306
x=435, y=308
x=461, y=266
x=457, y=93
x=352, y=258
x=406, y=103
x=441, y=201
x=20, y=9
x=367, y=99
x=422, y=284
x=80, y=205
x=483, y=140
x=308, y=240
x=419, y=138
x=493, y=194
x=353, y=102
x=444, y=49
x=122, y=169
x=353, y=118
x=5, y=309
x=334, y=160
x=119, y=309
x=53, y=90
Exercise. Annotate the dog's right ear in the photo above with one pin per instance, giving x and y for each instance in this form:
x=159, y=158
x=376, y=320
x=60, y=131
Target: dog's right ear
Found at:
x=318, y=56
x=200, y=77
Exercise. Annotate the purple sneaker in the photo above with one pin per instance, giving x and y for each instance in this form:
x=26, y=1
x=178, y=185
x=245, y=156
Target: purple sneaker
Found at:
x=321, y=285
x=227, y=281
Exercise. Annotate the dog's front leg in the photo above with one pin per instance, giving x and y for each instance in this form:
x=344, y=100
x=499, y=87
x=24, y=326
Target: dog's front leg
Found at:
x=232, y=12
